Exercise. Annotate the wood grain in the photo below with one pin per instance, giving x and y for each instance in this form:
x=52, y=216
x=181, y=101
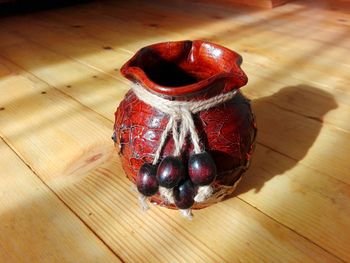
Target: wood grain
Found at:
x=244, y=233
x=35, y=225
x=50, y=34
x=82, y=198
x=284, y=97
x=74, y=47
x=54, y=131
x=294, y=202
x=254, y=3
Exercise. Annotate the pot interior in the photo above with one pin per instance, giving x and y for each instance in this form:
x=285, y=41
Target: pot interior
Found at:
x=175, y=64
x=166, y=73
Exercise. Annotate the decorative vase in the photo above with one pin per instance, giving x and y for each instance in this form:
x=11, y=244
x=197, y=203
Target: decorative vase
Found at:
x=169, y=81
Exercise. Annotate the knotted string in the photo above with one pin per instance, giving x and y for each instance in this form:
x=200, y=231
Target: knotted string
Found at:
x=180, y=112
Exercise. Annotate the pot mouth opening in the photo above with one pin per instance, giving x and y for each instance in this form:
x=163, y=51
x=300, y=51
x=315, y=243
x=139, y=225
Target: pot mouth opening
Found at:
x=169, y=73
x=183, y=66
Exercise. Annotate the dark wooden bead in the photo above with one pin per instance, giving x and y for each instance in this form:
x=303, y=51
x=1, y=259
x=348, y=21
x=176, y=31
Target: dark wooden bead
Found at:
x=146, y=180
x=201, y=169
x=184, y=195
x=170, y=172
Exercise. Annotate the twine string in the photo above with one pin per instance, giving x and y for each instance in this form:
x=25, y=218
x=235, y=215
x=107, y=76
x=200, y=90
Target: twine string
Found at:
x=180, y=112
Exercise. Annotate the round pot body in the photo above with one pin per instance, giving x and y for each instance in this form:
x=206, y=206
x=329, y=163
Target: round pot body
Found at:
x=187, y=71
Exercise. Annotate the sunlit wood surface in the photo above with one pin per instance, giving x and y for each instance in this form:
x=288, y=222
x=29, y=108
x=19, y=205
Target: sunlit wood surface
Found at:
x=63, y=194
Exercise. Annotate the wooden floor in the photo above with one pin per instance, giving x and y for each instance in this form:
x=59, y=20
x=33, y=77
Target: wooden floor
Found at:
x=63, y=194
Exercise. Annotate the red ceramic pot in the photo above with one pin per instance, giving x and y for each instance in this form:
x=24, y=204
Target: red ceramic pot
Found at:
x=187, y=71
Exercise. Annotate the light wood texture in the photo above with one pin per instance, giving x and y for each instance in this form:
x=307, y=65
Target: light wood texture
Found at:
x=60, y=85
x=35, y=225
x=255, y=3
x=41, y=121
x=258, y=3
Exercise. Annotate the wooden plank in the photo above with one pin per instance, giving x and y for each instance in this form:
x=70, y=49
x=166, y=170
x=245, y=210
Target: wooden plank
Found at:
x=102, y=198
x=247, y=41
x=307, y=201
x=231, y=231
x=269, y=64
x=254, y=3
x=312, y=203
x=296, y=147
x=336, y=81
x=73, y=137
x=301, y=132
x=243, y=30
x=289, y=20
x=305, y=140
x=35, y=225
x=8, y=38
x=109, y=61
x=326, y=82
x=216, y=24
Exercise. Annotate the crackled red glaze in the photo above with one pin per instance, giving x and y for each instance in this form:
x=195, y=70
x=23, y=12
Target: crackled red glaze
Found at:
x=187, y=70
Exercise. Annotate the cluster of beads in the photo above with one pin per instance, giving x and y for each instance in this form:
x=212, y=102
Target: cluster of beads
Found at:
x=172, y=177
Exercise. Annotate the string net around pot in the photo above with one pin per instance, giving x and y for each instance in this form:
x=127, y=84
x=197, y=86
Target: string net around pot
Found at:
x=179, y=185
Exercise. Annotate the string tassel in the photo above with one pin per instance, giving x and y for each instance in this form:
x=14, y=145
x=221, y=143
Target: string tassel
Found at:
x=179, y=112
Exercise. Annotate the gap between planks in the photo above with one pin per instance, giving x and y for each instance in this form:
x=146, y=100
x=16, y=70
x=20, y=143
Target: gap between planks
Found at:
x=104, y=242
x=292, y=230
x=61, y=200
x=80, y=62
x=123, y=82
x=17, y=224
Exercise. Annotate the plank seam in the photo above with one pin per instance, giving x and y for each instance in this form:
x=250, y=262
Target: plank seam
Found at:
x=57, y=89
x=124, y=82
x=304, y=164
x=294, y=231
x=59, y=198
x=85, y=106
x=311, y=118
